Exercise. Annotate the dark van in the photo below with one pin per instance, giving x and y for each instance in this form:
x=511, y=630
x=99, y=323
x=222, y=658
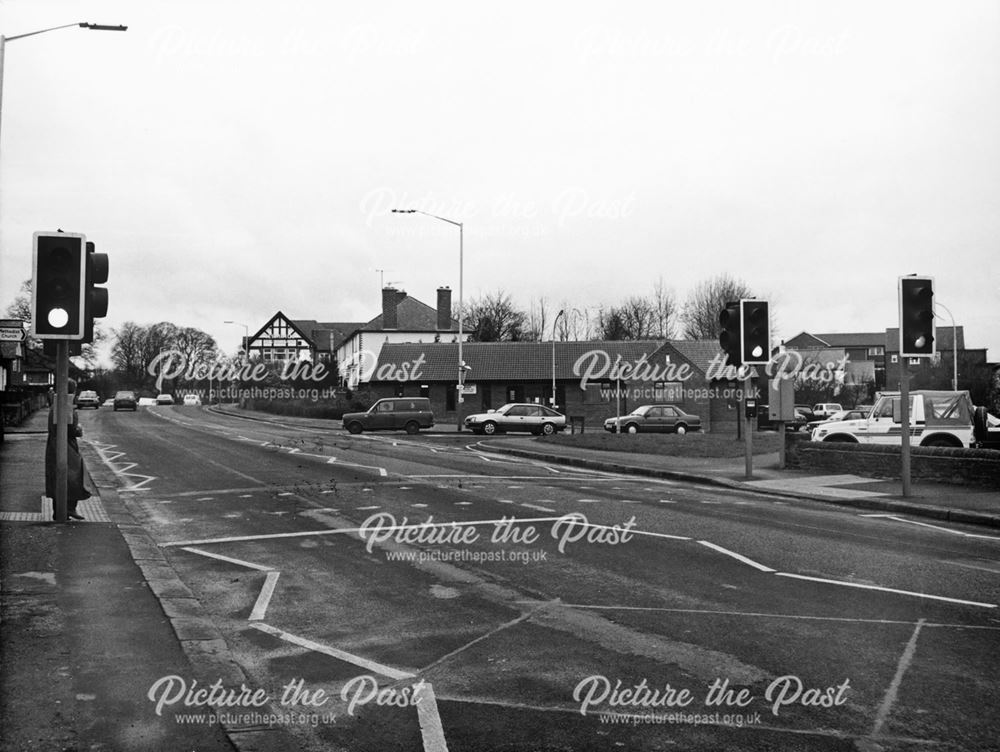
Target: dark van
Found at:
x=408, y=414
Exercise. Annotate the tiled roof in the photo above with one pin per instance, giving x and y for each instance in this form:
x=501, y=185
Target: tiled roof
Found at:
x=327, y=336
x=853, y=339
x=411, y=315
x=519, y=361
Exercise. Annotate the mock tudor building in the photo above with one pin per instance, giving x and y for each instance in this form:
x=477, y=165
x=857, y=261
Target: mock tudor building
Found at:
x=283, y=339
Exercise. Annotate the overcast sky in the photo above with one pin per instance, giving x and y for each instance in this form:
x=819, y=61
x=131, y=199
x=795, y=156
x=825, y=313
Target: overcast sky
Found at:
x=239, y=158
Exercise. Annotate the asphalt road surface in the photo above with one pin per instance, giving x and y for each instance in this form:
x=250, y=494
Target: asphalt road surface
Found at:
x=389, y=592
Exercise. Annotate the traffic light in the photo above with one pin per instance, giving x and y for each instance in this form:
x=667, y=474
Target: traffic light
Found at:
x=95, y=298
x=57, y=290
x=755, y=332
x=729, y=339
x=916, y=316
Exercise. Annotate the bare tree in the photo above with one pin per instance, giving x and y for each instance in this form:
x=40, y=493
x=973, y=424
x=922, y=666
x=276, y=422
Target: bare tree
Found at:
x=703, y=305
x=664, y=309
x=495, y=318
x=537, y=320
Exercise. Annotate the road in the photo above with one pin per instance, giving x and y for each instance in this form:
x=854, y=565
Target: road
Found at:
x=404, y=593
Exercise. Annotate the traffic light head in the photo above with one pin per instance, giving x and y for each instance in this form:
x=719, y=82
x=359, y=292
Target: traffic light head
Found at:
x=916, y=316
x=729, y=338
x=96, y=298
x=755, y=332
x=58, y=279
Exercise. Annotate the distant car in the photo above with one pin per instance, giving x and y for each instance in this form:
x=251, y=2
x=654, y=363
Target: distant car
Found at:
x=109, y=402
x=800, y=420
x=517, y=416
x=192, y=399
x=825, y=409
x=164, y=399
x=841, y=415
x=125, y=400
x=147, y=401
x=655, y=419
x=88, y=398
x=408, y=414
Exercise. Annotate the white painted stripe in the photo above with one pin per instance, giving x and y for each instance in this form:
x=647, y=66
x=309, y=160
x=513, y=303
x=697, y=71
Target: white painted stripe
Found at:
x=229, y=559
x=738, y=557
x=938, y=527
x=355, y=660
x=264, y=599
x=350, y=530
x=890, y=696
x=430, y=720
x=862, y=586
x=538, y=508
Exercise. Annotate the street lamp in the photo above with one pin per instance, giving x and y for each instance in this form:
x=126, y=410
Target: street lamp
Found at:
x=246, y=337
x=556, y=321
x=954, y=347
x=461, y=261
x=81, y=24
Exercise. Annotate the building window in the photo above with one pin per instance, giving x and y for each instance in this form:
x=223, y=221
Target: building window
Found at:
x=914, y=361
x=894, y=359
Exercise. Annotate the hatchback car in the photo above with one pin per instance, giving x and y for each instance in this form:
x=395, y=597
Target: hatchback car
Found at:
x=408, y=414
x=192, y=399
x=655, y=419
x=88, y=398
x=125, y=400
x=164, y=399
x=518, y=416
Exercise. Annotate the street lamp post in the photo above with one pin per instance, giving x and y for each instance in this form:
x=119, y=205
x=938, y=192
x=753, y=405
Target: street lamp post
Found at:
x=460, y=397
x=81, y=24
x=556, y=321
x=245, y=349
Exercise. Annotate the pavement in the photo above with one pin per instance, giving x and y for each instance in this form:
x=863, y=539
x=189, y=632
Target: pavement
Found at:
x=92, y=614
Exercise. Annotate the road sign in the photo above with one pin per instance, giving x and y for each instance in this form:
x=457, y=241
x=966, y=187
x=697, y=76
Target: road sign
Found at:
x=12, y=334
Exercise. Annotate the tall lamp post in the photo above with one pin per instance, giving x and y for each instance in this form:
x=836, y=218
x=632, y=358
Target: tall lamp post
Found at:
x=556, y=321
x=81, y=24
x=460, y=397
x=954, y=347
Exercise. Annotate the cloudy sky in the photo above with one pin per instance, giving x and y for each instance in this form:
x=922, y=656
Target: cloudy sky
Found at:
x=239, y=158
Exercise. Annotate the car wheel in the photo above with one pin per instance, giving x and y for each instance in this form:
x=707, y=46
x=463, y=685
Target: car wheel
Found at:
x=681, y=429
x=631, y=428
x=412, y=427
x=942, y=442
x=354, y=428
x=489, y=428
x=547, y=429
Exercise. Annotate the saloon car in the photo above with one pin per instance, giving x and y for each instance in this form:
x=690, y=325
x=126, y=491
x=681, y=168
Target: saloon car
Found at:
x=88, y=398
x=517, y=416
x=125, y=400
x=654, y=419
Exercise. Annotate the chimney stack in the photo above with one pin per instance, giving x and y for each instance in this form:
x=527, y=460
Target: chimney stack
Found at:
x=390, y=298
x=444, y=309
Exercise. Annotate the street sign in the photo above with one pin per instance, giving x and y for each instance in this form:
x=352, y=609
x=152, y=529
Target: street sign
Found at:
x=12, y=334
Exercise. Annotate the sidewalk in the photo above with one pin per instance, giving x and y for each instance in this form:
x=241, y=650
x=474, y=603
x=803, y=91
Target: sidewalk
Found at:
x=91, y=615
x=938, y=501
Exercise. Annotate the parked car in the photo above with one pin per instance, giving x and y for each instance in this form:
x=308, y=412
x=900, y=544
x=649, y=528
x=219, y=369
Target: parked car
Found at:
x=842, y=415
x=192, y=399
x=517, y=416
x=125, y=400
x=409, y=414
x=109, y=402
x=87, y=398
x=825, y=409
x=655, y=419
x=164, y=399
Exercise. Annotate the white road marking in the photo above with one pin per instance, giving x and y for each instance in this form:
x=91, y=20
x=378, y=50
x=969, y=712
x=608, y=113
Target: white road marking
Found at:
x=538, y=508
x=264, y=598
x=355, y=660
x=431, y=729
x=863, y=586
x=890, y=696
x=229, y=559
x=933, y=527
x=738, y=557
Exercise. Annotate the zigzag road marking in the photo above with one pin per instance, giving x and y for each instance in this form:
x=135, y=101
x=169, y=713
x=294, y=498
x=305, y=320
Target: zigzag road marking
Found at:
x=121, y=469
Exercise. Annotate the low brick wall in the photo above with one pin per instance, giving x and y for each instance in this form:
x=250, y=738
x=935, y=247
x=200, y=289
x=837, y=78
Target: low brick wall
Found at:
x=967, y=467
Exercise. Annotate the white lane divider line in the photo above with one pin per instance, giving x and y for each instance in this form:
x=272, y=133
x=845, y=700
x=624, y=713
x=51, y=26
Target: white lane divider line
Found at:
x=264, y=597
x=933, y=527
x=881, y=589
x=738, y=557
x=355, y=660
x=228, y=559
x=431, y=729
x=538, y=508
x=904, y=663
